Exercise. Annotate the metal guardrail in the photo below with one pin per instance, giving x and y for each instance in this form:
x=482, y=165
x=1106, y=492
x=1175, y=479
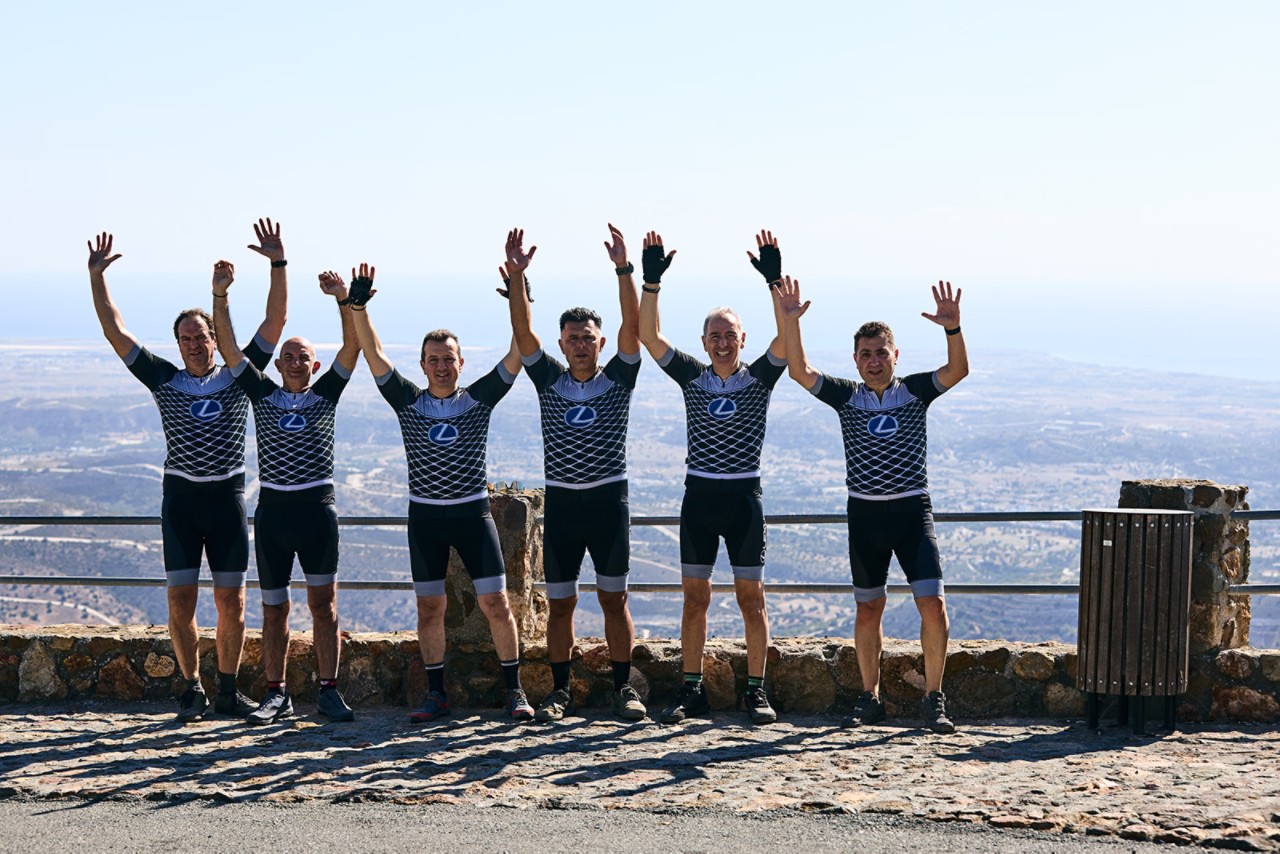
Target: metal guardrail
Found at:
x=953, y=588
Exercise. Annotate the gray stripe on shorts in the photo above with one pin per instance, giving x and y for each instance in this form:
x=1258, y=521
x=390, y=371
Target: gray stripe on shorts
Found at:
x=182, y=577
x=562, y=589
x=869, y=594
x=748, y=573
x=927, y=587
x=228, y=579
x=275, y=597
x=321, y=580
x=492, y=584
x=429, y=588
x=611, y=583
x=696, y=570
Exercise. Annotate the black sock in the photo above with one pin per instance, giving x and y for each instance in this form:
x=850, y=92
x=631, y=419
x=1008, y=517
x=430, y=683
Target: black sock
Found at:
x=226, y=683
x=195, y=684
x=621, y=673
x=277, y=687
x=560, y=675
x=435, y=678
x=327, y=684
x=693, y=680
x=511, y=674
x=755, y=682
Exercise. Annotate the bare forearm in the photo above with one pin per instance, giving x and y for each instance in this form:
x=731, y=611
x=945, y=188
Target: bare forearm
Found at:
x=121, y=340
x=378, y=362
x=650, y=331
x=224, y=332
x=629, y=302
x=350, y=350
x=957, y=366
x=277, y=306
x=511, y=361
x=521, y=320
x=778, y=346
x=797, y=363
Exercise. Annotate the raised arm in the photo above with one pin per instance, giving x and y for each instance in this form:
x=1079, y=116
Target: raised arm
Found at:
x=655, y=262
x=947, y=315
x=511, y=361
x=270, y=246
x=769, y=265
x=628, y=301
x=100, y=258
x=357, y=297
x=224, y=273
x=331, y=283
x=787, y=307
x=513, y=272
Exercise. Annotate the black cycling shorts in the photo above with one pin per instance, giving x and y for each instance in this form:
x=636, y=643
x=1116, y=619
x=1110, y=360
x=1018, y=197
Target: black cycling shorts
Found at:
x=282, y=530
x=205, y=522
x=722, y=509
x=469, y=529
x=581, y=521
x=881, y=529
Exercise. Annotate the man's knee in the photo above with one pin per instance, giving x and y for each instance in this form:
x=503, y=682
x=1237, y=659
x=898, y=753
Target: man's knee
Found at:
x=182, y=601
x=697, y=597
x=562, y=609
x=229, y=600
x=932, y=608
x=431, y=608
x=495, y=606
x=275, y=613
x=872, y=609
x=613, y=604
x=750, y=597
x=323, y=602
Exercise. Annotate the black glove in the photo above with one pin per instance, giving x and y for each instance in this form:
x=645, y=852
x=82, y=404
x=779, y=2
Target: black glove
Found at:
x=769, y=264
x=655, y=263
x=507, y=293
x=360, y=292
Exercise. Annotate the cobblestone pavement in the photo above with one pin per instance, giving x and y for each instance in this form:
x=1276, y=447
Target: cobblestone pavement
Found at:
x=1211, y=785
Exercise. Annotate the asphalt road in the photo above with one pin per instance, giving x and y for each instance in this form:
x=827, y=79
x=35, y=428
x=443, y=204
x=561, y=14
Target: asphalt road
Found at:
x=76, y=826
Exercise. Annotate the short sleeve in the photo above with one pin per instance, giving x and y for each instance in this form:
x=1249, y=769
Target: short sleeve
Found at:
x=151, y=370
x=493, y=386
x=255, y=384
x=833, y=391
x=259, y=351
x=623, y=369
x=767, y=369
x=332, y=383
x=925, y=386
x=680, y=366
x=543, y=368
x=401, y=393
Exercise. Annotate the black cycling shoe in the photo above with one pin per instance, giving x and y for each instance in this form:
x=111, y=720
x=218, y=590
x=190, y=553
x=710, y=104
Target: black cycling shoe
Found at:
x=193, y=705
x=867, y=709
x=690, y=702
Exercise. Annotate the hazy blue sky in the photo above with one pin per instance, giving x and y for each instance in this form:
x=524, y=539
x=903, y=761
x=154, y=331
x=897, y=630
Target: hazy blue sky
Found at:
x=1101, y=178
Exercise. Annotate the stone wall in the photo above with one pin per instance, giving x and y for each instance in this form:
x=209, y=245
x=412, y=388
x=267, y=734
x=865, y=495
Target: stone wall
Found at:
x=985, y=679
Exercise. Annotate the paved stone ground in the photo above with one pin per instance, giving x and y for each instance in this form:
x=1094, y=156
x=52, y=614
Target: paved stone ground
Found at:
x=1210, y=785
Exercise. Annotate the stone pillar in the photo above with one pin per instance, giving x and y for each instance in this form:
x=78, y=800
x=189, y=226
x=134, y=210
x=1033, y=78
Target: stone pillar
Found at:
x=1219, y=550
x=515, y=514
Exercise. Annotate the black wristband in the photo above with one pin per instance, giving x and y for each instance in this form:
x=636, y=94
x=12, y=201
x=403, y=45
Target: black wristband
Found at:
x=626, y=271
x=283, y=262
x=775, y=283
x=955, y=331
x=649, y=290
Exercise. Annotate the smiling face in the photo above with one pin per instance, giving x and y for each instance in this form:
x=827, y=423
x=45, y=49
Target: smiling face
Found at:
x=582, y=342
x=196, y=344
x=297, y=364
x=876, y=358
x=442, y=365
x=723, y=339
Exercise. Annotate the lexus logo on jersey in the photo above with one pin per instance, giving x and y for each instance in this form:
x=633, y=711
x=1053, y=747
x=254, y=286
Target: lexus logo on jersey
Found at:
x=292, y=422
x=206, y=410
x=443, y=434
x=721, y=407
x=580, y=416
x=882, y=426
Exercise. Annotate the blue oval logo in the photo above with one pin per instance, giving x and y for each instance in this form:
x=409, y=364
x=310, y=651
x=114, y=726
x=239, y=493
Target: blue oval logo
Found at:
x=443, y=434
x=580, y=416
x=722, y=407
x=882, y=426
x=292, y=422
x=206, y=409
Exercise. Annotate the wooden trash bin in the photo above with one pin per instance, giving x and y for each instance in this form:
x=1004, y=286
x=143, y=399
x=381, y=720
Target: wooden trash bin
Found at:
x=1135, y=593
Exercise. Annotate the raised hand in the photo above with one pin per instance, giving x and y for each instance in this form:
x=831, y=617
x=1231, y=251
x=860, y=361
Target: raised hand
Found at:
x=504, y=272
x=224, y=273
x=769, y=264
x=948, y=311
x=787, y=293
x=617, y=249
x=517, y=258
x=362, y=289
x=331, y=283
x=100, y=257
x=653, y=259
x=268, y=235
